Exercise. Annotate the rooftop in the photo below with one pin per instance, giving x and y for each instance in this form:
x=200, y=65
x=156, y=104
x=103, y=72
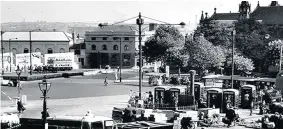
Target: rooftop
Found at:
x=225, y=16
x=269, y=14
x=36, y=36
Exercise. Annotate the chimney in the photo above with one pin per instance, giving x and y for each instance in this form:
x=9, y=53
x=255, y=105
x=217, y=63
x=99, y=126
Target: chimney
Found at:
x=214, y=10
x=257, y=3
x=274, y=3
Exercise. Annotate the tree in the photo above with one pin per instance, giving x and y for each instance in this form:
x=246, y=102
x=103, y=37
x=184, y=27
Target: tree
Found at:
x=166, y=43
x=250, y=41
x=203, y=54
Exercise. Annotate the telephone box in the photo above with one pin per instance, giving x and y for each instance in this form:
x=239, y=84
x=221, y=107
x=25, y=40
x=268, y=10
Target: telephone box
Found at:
x=247, y=92
x=161, y=94
x=214, y=98
x=175, y=92
x=199, y=90
x=232, y=97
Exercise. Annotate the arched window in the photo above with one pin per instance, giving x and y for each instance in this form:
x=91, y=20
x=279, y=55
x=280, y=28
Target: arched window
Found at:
x=115, y=47
x=49, y=51
x=126, y=47
x=62, y=50
x=26, y=50
x=37, y=50
x=14, y=51
x=93, y=47
x=104, y=47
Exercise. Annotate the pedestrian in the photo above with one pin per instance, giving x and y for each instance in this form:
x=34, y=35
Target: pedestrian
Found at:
x=46, y=115
x=230, y=116
x=20, y=106
x=105, y=81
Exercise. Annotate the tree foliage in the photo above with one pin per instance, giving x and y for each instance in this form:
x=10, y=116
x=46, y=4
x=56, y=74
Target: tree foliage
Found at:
x=167, y=42
x=203, y=54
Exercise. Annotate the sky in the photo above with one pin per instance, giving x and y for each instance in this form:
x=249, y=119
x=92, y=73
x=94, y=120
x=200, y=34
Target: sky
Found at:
x=170, y=11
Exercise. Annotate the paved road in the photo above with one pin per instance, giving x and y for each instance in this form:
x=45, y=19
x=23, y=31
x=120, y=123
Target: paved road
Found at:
x=76, y=87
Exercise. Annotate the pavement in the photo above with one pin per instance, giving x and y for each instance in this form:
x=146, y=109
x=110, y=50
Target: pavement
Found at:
x=100, y=106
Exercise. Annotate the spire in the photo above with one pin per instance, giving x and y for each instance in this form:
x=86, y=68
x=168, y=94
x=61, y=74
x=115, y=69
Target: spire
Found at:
x=257, y=3
x=214, y=10
x=206, y=15
x=201, y=18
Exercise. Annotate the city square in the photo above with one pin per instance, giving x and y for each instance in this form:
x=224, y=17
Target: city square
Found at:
x=141, y=64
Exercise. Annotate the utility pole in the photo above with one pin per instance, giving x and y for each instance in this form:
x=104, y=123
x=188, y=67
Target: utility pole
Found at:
x=232, y=81
x=120, y=59
x=140, y=21
x=30, y=51
x=2, y=52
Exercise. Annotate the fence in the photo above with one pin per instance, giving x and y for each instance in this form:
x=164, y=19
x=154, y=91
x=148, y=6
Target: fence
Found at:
x=169, y=107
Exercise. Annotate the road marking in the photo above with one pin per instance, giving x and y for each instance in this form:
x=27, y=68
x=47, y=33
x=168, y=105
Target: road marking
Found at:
x=6, y=95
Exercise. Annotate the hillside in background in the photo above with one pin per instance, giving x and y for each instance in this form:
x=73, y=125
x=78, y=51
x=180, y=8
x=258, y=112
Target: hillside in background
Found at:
x=78, y=27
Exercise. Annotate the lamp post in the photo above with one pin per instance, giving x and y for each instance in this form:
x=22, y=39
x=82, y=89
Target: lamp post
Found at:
x=30, y=50
x=120, y=59
x=233, y=47
x=18, y=72
x=2, y=52
x=10, y=53
x=44, y=86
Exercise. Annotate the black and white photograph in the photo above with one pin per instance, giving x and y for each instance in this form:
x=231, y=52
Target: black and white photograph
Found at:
x=141, y=64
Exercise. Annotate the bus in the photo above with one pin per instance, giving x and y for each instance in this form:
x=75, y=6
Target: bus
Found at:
x=69, y=122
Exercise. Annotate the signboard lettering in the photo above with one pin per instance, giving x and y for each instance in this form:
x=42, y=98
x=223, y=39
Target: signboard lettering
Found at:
x=60, y=59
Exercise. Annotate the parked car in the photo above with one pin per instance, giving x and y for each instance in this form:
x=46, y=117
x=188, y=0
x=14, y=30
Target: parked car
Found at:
x=148, y=70
x=6, y=82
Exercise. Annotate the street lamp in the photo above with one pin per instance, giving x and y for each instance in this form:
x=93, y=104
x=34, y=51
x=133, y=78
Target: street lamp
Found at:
x=44, y=86
x=18, y=72
x=10, y=53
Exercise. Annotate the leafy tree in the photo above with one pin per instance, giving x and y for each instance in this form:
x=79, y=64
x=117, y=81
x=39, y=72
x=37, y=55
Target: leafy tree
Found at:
x=218, y=33
x=204, y=55
x=167, y=42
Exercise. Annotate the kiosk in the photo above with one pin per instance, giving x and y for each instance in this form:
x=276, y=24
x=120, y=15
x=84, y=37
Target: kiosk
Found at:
x=199, y=91
x=214, y=98
x=160, y=94
x=247, y=92
x=232, y=97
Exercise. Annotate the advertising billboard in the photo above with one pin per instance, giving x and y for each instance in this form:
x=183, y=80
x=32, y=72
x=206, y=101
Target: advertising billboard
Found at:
x=24, y=59
x=60, y=59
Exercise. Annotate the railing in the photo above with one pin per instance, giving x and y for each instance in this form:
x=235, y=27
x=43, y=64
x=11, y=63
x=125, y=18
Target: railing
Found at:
x=169, y=107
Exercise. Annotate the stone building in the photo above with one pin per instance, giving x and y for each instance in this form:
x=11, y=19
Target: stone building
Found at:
x=104, y=46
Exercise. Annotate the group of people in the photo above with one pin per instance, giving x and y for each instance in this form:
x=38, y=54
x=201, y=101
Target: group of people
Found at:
x=272, y=122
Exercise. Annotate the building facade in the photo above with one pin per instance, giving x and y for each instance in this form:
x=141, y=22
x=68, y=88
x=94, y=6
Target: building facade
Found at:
x=107, y=45
x=44, y=42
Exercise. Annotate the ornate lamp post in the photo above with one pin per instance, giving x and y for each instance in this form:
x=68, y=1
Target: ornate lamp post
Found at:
x=44, y=86
x=18, y=72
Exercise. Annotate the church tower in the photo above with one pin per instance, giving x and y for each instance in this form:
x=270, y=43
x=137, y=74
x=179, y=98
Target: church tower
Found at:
x=244, y=10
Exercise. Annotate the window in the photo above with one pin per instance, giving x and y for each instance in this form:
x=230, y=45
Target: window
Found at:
x=26, y=50
x=126, y=47
x=104, y=38
x=62, y=50
x=104, y=47
x=93, y=47
x=93, y=38
x=37, y=50
x=77, y=52
x=14, y=51
x=49, y=51
x=126, y=38
x=115, y=38
x=115, y=47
